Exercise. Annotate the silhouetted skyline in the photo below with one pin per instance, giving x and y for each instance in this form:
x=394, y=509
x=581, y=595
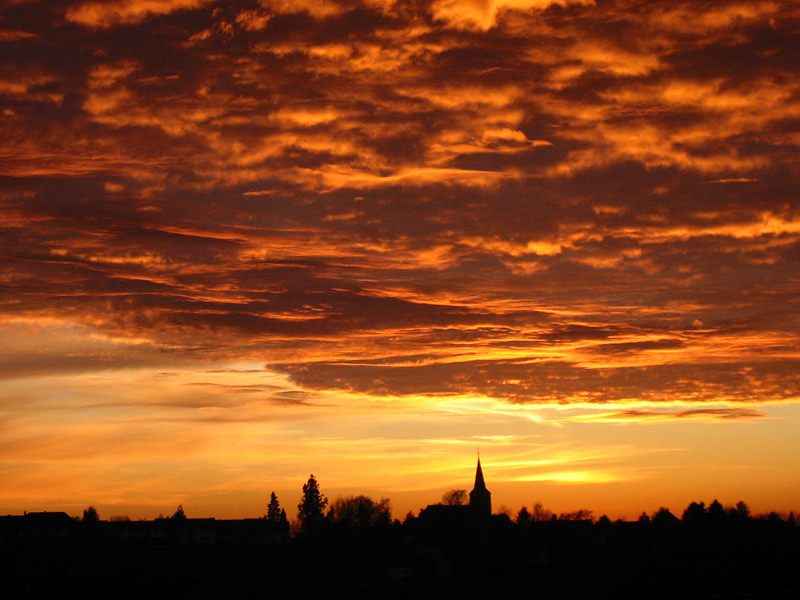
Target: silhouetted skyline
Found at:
x=243, y=241
x=356, y=547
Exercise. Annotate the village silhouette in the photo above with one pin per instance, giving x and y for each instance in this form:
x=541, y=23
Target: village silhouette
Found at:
x=455, y=548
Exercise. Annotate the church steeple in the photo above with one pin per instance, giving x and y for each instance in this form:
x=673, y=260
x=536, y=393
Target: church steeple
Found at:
x=480, y=499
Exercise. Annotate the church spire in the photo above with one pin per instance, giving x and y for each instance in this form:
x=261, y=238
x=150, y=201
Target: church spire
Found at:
x=480, y=499
x=480, y=484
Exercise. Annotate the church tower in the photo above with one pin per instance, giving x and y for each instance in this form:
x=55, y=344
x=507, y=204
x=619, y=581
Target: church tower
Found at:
x=480, y=499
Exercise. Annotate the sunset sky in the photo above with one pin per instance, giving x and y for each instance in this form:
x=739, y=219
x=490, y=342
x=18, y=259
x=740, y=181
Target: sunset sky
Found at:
x=243, y=242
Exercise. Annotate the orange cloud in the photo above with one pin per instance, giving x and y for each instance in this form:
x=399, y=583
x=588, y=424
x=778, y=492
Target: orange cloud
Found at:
x=483, y=13
x=109, y=14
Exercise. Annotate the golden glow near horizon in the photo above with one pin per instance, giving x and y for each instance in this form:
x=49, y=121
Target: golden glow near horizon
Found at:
x=241, y=242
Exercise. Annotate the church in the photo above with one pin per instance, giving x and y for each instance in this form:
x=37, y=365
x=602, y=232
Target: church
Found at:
x=455, y=521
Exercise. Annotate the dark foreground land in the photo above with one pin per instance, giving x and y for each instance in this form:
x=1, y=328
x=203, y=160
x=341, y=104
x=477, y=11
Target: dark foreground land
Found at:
x=444, y=554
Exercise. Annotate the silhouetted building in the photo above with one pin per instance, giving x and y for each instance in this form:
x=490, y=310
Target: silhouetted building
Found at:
x=480, y=499
x=37, y=527
x=459, y=522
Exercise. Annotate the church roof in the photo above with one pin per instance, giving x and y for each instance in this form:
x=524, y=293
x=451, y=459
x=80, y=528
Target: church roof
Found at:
x=480, y=484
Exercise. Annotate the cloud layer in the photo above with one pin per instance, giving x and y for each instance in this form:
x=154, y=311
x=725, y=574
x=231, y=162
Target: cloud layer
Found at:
x=538, y=202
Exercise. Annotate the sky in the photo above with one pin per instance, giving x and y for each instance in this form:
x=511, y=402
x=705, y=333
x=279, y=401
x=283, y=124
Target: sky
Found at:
x=244, y=242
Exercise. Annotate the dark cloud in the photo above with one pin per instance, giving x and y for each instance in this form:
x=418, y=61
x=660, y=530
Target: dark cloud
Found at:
x=536, y=204
x=549, y=381
x=723, y=414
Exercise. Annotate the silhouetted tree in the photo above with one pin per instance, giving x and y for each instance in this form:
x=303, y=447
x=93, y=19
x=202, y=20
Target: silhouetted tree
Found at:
x=523, y=517
x=716, y=514
x=695, y=513
x=311, y=509
x=454, y=497
x=502, y=520
x=90, y=515
x=275, y=514
x=360, y=512
x=644, y=518
x=742, y=511
x=540, y=513
x=124, y=518
x=179, y=515
x=581, y=514
x=663, y=516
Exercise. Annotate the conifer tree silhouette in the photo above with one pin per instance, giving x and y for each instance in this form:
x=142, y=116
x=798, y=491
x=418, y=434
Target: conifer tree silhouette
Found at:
x=311, y=509
x=275, y=514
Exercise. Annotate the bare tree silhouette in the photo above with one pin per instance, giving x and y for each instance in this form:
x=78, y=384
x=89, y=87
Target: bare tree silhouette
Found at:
x=454, y=497
x=90, y=515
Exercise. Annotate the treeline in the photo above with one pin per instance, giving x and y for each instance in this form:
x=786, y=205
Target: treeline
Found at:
x=315, y=513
